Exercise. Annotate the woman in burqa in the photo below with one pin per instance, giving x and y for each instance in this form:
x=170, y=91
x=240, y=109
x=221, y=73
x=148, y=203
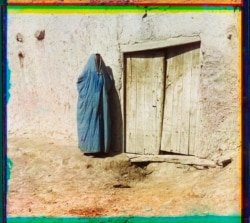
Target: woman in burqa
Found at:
x=93, y=116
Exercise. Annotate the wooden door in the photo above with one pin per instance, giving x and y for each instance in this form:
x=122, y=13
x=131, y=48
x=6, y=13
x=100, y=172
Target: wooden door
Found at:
x=181, y=106
x=144, y=101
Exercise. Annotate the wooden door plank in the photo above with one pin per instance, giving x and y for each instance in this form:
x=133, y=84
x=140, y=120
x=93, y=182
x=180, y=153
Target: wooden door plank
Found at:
x=138, y=64
x=159, y=75
x=177, y=103
x=147, y=114
x=193, y=111
x=130, y=107
x=148, y=119
x=195, y=106
x=149, y=110
x=168, y=108
x=184, y=132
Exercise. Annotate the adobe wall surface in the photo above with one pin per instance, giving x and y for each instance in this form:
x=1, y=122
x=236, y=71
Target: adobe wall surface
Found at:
x=43, y=73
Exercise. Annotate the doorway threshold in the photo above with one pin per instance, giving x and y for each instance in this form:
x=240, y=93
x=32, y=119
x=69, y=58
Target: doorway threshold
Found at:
x=178, y=159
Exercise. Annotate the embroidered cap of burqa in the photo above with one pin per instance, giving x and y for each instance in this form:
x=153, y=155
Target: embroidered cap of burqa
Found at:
x=93, y=116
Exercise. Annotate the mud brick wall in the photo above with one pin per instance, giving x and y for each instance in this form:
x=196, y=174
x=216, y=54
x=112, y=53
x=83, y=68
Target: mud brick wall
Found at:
x=47, y=52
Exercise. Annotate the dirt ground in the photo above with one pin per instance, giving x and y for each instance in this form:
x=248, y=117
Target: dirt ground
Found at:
x=53, y=178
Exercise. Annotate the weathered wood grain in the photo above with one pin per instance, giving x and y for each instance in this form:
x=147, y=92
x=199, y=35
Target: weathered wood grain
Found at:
x=181, y=113
x=144, y=97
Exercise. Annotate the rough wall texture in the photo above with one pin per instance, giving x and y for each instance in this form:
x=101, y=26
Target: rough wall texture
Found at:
x=47, y=52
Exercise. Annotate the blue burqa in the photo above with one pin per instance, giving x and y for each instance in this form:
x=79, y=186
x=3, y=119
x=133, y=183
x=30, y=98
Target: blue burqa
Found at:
x=93, y=116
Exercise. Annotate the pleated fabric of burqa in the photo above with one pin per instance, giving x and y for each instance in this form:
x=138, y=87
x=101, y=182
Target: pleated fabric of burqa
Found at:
x=93, y=116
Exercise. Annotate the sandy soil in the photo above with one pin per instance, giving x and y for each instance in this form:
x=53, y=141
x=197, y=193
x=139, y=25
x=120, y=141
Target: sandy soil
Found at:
x=53, y=178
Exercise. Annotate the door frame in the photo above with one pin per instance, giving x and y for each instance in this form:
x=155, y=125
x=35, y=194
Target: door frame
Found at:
x=144, y=46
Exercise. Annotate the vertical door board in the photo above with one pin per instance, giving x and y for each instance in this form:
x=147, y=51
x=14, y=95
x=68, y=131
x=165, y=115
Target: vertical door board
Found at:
x=195, y=105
